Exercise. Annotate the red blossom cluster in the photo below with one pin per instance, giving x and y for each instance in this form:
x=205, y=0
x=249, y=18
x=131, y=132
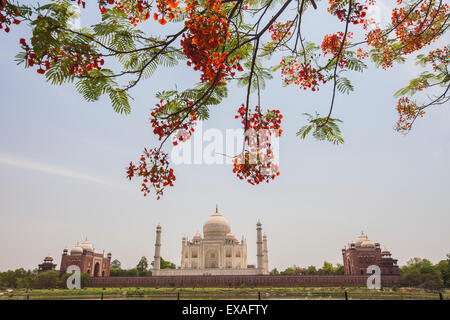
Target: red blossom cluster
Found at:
x=332, y=43
x=378, y=39
x=413, y=30
x=303, y=75
x=155, y=172
x=181, y=124
x=439, y=58
x=361, y=54
x=421, y=27
x=206, y=32
x=76, y=62
x=358, y=10
x=408, y=111
x=137, y=10
x=256, y=164
x=168, y=9
x=8, y=15
x=278, y=31
x=80, y=3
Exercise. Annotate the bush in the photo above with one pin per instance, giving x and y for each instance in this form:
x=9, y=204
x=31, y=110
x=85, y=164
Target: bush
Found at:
x=46, y=280
x=84, y=280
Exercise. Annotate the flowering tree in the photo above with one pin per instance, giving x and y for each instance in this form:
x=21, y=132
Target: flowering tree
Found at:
x=226, y=41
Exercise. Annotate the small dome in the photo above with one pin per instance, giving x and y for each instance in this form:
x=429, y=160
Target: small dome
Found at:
x=385, y=252
x=230, y=236
x=361, y=238
x=48, y=258
x=367, y=244
x=197, y=236
x=76, y=250
x=85, y=245
x=216, y=226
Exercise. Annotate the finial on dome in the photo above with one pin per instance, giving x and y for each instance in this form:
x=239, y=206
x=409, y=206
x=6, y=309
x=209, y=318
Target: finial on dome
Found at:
x=217, y=208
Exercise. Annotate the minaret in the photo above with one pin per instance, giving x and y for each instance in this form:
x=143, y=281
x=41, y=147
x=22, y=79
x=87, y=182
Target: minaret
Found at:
x=259, y=246
x=156, y=262
x=265, y=253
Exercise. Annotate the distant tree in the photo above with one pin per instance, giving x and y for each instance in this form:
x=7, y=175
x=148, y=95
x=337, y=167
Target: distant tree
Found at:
x=288, y=271
x=132, y=272
x=113, y=272
x=311, y=270
x=163, y=264
x=327, y=268
x=339, y=269
x=142, y=265
x=421, y=273
x=19, y=278
x=274, y=272
x=444, y=268
x=115, y=264
x=47, y=279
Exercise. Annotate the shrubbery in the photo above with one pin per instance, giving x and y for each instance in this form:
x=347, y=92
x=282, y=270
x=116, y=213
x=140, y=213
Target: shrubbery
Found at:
x=423, y=274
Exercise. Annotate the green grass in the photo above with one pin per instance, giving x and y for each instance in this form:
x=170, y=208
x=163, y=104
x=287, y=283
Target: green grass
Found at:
x=324, y=293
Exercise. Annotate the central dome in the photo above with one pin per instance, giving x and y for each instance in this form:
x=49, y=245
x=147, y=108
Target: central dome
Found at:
x=216, y=226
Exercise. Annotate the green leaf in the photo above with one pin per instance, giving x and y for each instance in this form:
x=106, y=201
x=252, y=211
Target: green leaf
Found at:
x=322, y=129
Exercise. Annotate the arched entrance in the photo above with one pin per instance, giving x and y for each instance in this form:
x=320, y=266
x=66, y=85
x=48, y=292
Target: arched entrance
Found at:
x=212, y=259
x=97, y=269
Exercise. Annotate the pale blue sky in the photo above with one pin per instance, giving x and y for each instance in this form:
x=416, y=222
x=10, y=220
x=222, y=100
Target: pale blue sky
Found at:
x=62, y=173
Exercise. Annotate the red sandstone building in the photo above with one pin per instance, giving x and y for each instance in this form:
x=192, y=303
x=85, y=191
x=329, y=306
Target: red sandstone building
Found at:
x=47, y=265
x=89, y=261
x=364, y=253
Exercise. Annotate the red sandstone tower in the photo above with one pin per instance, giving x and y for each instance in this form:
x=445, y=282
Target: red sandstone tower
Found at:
x=47, y=265
x=89, y=261
x=364, y=253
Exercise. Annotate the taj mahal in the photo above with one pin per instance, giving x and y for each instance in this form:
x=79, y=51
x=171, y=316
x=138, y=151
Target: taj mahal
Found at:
x=218, y=252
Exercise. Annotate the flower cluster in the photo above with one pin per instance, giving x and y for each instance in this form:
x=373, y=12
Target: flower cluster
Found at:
x=168, y=9
x=80, y=3
x=378, y=39
x=206, y=32
x=303, y=75
x=358, y=10
x=136, y=10
x=332, y=43
x=419, y=28
x=408, y=111
x=439, y=58
x=256, y=163
x=413, y=30
x=154, y=169
x=75, y=63
x=180, y=124
x=8, y=15
x=279, y=31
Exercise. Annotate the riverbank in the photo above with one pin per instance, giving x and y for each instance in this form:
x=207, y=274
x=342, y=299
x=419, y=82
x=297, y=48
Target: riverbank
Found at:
x=303, y=293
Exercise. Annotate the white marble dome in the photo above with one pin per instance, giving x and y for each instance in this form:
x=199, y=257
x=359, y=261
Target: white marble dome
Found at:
x=197, y=236
x=85, y=245
x=76, y=250
x=216, y=226
x=367, y=244
x=361, y=238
